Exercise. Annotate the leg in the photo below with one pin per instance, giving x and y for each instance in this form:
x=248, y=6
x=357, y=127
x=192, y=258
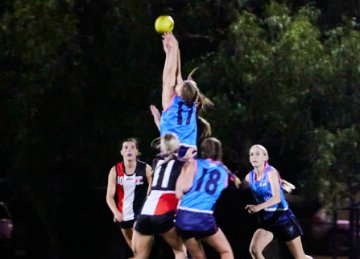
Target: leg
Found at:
x=195, y=248
x=175, y=242
x=219, y=242
x=296, y=248
x=259, y=241
x=127, y=233
x=141, y=245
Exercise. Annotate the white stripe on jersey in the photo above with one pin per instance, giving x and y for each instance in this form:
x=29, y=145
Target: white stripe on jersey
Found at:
x=167, y=173
x=275, y=209
x=152, y=202
x=157, y=172
x=196, y=210
x=129, y=196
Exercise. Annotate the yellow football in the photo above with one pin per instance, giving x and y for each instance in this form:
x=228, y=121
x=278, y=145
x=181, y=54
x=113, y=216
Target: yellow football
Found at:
x=164, y=23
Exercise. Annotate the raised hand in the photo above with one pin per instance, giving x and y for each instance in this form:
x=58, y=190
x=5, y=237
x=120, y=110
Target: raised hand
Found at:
x=169, y=42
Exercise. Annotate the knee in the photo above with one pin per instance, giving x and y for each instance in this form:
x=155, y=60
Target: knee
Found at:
x=255, y=251
x=226, y=251
x=196, y=255
x=179, y=252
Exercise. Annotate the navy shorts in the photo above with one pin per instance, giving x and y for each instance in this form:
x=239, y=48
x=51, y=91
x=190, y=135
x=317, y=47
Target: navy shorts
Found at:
x=195, y=224
x=155, y=224
x=127, y=224
x=283, y=224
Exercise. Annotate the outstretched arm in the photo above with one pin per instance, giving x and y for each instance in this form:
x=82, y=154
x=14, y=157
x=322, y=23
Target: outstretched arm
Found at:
x=171, y=48
x=179, y=78
x=156, y=114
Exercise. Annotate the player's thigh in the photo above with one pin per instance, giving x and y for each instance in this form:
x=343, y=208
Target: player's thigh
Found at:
x=219, y=242
x=141, y=244
x=173, y=239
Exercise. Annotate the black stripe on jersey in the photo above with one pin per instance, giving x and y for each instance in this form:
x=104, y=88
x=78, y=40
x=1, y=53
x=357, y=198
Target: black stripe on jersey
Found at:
x=172, y=167
x=140, y=189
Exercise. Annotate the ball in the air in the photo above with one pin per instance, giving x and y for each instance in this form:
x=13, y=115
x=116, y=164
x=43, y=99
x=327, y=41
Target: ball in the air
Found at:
x=164, y=23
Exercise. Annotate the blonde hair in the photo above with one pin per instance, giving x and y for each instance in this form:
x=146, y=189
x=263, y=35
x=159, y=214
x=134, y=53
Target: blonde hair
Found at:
x=263, y=149
x=169, y=143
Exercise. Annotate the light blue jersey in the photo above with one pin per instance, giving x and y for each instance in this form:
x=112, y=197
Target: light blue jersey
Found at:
x=210, y=180
x=179, y=118
x=261, y=190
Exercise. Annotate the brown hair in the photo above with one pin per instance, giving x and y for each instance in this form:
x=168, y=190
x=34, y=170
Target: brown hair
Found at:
x=204, y=128
x=211, y=148
x=190, y=92
x=134, y=140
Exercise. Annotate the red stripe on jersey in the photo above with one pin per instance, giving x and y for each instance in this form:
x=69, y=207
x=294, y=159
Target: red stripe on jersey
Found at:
x=119, y=186
x=167, y=202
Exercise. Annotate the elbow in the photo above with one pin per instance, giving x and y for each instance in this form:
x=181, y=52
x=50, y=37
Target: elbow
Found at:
x=277, y=199
x=179, y=194
x=108, y=199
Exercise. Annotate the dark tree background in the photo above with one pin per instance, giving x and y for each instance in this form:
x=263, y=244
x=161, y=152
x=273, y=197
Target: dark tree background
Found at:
x=78, y=76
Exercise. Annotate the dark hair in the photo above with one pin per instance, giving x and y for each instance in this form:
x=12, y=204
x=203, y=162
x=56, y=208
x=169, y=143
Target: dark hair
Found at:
x=211, y=148
x=131, y=139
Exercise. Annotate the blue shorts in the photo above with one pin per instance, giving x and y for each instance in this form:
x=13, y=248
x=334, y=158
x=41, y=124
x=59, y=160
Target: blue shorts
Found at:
x=283, y=224
x=195, y=224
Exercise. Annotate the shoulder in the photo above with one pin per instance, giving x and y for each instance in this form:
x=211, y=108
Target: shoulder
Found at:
x=272, y=170
x=273, y=173
x=141, y=163
x=112, y=174
x=172, y=101
x=248, y=176
x=118, y=164
x=114, y=168
x=148, y=167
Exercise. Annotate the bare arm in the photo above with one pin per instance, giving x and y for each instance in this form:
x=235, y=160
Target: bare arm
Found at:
x=171, y=48
x=156, y=114
x=110, y=196
x=149, y=177
x=179, y=78
x=186, y=177
x=275, y=199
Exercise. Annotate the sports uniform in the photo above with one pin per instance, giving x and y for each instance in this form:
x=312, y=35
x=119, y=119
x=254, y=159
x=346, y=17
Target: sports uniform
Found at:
x=278, y=218
x=157, y=214
x=179, y=118
x=131, y=191
x=194, y=217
